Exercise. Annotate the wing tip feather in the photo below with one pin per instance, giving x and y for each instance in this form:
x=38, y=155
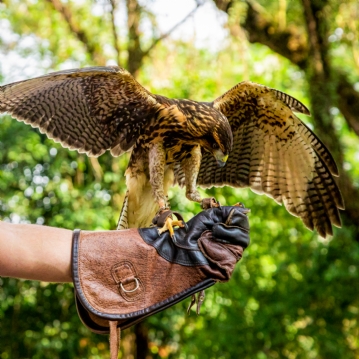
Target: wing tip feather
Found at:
x=294, y=104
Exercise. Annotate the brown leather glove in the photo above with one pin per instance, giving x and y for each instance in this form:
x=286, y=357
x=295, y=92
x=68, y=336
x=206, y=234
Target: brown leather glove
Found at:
x=121, y=277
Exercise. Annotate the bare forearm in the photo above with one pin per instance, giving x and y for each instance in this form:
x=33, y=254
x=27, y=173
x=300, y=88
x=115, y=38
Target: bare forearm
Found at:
x=35, y=252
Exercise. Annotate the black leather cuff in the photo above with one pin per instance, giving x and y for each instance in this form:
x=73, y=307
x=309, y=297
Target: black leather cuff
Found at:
x=228, y=224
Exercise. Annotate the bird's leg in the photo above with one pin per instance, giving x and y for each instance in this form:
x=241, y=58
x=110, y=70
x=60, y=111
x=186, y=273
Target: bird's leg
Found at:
x=191, y=166
x=157, y=163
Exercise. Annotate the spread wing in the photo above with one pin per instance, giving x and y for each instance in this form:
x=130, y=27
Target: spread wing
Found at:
x=89, y=110
x=275, y=153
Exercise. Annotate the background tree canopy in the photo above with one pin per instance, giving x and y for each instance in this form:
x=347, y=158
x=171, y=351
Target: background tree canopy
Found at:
x=294, y=295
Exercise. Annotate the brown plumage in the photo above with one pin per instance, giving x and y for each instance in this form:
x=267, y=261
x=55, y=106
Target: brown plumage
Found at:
x=270, y=150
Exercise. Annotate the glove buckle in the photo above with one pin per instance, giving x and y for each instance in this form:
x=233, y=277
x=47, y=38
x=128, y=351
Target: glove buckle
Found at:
x=132, y=290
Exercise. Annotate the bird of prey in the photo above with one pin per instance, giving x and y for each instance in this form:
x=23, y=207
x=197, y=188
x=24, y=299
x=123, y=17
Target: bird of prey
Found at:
x=248, y=137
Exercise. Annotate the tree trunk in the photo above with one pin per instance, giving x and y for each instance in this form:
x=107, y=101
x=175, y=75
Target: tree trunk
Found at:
x=141, y=333
x=135, y=53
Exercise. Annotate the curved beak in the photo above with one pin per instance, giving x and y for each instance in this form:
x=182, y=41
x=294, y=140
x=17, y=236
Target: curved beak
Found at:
x=221, y=158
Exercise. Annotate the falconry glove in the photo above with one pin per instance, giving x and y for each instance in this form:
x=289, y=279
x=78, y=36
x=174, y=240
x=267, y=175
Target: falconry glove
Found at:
x=122, y=277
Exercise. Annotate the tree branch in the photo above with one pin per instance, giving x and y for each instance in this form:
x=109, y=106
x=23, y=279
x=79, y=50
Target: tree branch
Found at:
x=224, y=5
x=348, y=102
x=289, y=43
x=165, y=35
x=114, y=31
x=317, y=49
x=135, y=53
x=79, y=33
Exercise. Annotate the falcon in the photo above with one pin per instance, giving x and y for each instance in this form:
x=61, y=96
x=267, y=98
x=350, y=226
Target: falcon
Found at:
x=248, y=137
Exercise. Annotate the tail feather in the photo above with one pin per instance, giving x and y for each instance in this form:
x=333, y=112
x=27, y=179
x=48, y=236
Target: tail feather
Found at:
x=139, y=206
x=123, y=220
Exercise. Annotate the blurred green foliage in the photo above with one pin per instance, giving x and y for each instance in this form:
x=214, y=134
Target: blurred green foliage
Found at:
x=293, y=295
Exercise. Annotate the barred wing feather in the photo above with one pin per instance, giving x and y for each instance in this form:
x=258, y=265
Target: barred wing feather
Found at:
x=90, y=110
x=275, y=154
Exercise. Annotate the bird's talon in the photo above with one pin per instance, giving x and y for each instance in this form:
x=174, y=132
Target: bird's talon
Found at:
x=166, y=222
x=168, y=226
x=178, y=223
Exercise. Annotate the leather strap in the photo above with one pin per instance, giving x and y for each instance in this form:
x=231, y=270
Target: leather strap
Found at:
x=161, y=216
x=199, y=300
x=115, y=338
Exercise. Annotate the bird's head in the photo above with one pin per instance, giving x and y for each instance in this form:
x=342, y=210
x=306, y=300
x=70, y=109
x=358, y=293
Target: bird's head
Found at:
x=213, y=132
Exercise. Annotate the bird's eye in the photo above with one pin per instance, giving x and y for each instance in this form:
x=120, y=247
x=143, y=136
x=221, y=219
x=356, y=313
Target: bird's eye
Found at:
x=215, y=146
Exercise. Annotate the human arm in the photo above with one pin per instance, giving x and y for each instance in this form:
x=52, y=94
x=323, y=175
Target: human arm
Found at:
x=35, y=252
